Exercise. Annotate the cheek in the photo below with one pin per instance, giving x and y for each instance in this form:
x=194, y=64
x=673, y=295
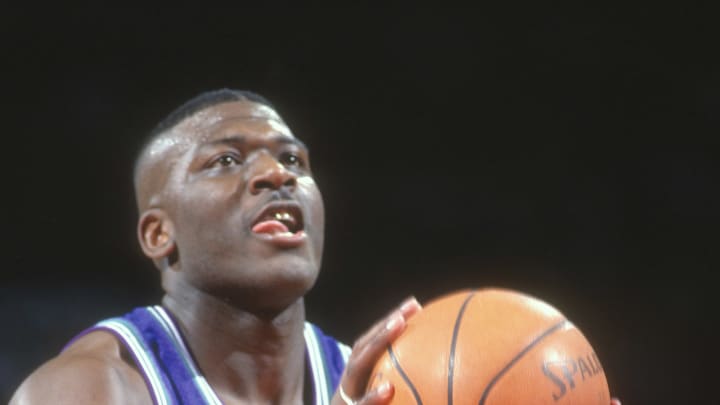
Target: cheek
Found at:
x=211, y=199
x=199, y=213
x=310, y=193
x=318, y=211
x=317, y=225
x=202, y=216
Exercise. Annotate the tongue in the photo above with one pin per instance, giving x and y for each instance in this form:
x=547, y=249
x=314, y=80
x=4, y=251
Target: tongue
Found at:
x=270, y=227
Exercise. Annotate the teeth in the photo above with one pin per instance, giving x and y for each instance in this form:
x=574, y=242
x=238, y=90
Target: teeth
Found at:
x=283, y=216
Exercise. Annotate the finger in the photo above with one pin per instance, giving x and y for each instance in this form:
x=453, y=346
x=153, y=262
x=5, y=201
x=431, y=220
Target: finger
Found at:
x=363, y=357
x=408, y=308
x=379, y=396
x=368, y=349
x=615, y=401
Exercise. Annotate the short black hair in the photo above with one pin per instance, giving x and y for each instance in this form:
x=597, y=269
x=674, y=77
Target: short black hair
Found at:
x=200, y=102
x=205, y=100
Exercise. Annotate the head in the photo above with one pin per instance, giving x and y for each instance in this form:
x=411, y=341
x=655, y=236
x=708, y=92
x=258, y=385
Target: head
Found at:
x=227, y=202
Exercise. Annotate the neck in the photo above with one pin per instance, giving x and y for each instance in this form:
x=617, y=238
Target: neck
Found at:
x=246, y=357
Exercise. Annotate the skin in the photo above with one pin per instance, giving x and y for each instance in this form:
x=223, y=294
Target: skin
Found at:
x=238, y=299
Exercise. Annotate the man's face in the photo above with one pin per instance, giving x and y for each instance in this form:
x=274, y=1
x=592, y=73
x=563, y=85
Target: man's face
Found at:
x=248, y=217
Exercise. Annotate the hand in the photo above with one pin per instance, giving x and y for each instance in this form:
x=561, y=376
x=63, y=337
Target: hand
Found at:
x=615, y=401
x=365, y=353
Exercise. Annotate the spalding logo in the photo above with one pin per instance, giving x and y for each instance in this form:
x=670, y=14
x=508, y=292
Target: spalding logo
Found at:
x=564, y=373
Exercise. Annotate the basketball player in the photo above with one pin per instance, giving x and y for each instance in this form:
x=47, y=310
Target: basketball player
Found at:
x=232, y=218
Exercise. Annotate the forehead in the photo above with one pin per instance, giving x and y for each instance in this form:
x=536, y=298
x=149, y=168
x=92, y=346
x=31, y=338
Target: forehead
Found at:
x=241, y=118
x=238, y=118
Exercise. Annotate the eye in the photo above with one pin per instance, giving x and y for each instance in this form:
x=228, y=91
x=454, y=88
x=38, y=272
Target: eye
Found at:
x=291, y=159
x=225, y=160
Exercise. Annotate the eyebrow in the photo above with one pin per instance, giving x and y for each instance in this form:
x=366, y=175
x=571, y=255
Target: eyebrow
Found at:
x=241, y=139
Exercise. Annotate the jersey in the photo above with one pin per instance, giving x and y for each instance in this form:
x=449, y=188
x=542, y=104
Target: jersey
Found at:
x=152, y=337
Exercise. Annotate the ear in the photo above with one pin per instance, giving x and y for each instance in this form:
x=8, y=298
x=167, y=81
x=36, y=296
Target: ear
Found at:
x=156, y=234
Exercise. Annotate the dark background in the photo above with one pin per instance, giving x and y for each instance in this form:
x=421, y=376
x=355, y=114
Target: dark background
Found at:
x=568, y=152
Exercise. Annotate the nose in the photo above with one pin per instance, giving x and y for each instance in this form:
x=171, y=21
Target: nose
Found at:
x=268, y=173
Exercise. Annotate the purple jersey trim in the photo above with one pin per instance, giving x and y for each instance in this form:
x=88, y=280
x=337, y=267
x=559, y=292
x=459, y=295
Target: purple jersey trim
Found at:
x=176, y=370
x=333, y=360
x=125, y=343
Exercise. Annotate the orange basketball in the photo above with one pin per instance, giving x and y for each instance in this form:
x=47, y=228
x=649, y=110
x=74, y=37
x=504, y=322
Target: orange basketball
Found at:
x=492, y=347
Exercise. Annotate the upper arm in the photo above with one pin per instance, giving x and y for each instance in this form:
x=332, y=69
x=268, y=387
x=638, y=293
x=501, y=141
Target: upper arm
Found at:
x=72, y=381
x=92, y=371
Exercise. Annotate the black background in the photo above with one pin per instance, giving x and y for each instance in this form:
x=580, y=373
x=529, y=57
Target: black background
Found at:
x=568, y=152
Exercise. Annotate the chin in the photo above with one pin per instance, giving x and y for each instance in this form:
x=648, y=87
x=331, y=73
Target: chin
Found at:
x=272, y=286
x=295, y=278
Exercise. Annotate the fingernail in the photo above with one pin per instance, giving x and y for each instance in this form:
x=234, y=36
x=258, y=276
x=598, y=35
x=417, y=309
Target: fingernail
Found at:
x=394, y=322
x=409, y=303
x=384, y=388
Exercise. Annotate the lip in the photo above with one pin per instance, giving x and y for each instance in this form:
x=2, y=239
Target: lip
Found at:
x=286, y=239
x=283, y=240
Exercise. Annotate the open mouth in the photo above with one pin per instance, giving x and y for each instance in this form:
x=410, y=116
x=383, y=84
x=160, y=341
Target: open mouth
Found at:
x=279, y=219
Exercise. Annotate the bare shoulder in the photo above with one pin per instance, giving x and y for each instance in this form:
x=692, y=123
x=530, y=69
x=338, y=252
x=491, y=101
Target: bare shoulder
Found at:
x=94, y=369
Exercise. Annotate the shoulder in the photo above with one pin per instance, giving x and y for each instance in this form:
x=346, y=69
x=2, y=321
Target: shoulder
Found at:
x=94, y=369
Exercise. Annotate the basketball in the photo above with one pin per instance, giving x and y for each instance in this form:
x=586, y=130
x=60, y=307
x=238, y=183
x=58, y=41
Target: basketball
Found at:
x=491, y=347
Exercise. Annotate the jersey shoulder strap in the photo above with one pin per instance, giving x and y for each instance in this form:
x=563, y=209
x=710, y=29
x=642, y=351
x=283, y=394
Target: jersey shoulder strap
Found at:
x=327, y=358
x=152, y=337
x=160, y=352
